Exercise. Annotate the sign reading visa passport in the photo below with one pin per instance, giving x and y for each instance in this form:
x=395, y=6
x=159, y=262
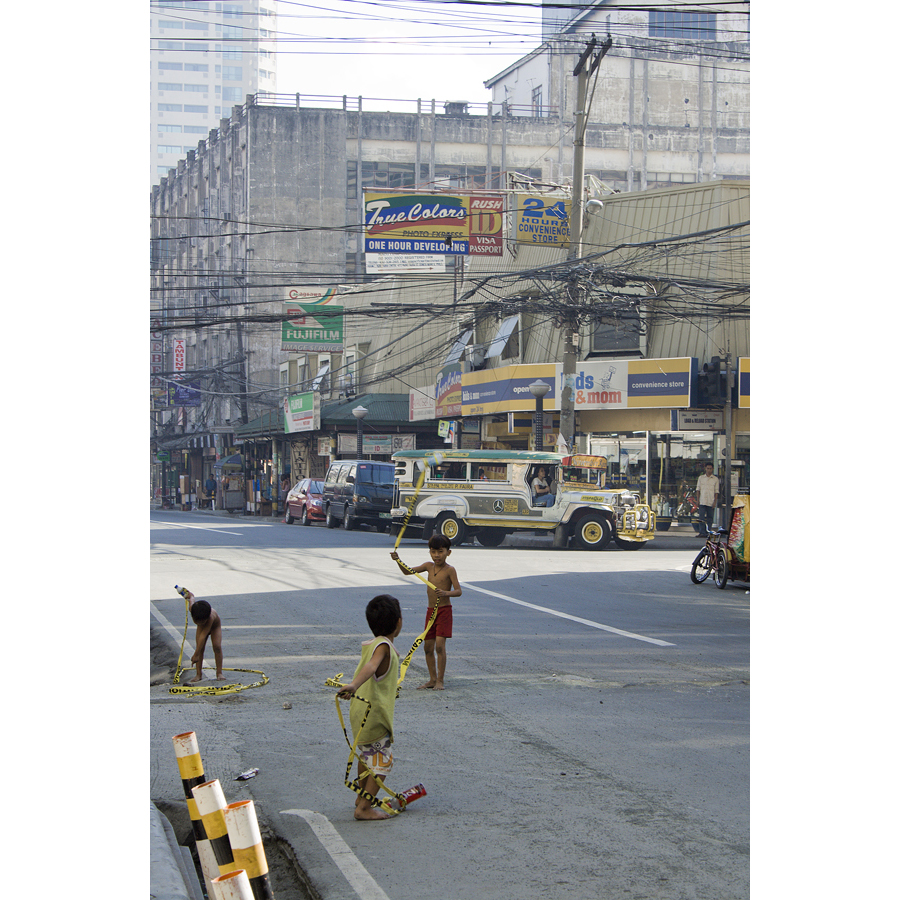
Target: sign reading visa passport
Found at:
x=454, y=224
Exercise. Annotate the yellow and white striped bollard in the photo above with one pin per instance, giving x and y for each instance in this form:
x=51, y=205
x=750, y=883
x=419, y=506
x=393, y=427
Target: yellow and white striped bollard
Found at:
x=233, y=886
x=190, y=767
x=247, y=846
x=211, y=806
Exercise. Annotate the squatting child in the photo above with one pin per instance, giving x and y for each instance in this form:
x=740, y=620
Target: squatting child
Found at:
x=443, y=576
x=209, y=625
x=376, y=679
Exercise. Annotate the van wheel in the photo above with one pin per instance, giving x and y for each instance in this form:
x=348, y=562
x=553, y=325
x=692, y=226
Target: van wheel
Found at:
x=451, y=528
x=330, y=521
x=592, y=532
x=348, y=521
x=490, y=537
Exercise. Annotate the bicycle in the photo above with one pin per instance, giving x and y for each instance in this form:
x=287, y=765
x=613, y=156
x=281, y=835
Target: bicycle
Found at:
x=712, y=559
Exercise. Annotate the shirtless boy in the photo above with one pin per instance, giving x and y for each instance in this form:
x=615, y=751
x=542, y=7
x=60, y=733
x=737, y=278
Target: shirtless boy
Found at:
x=443, y=576
x=209, y=625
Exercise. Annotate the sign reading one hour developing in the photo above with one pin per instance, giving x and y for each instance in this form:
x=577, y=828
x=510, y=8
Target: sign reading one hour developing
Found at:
x=434, y=223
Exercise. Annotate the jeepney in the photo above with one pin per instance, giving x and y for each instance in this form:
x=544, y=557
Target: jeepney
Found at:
x=487, y=494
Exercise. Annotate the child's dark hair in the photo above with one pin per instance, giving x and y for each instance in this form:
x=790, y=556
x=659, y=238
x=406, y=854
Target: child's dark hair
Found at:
x=437, y=541
x=200, y=611
x=383, y=614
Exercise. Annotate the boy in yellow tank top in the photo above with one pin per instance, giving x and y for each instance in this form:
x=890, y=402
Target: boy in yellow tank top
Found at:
x=376, y=679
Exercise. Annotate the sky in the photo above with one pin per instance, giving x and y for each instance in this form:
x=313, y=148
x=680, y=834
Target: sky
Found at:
x=395, y=49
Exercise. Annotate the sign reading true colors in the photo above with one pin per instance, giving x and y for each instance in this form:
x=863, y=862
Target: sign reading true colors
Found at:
x=453, y=224
x=312, y=329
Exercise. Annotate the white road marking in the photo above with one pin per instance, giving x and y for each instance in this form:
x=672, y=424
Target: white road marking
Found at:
x=562, y=615
x=344, y=858
x=188, y=649
x=200, y=527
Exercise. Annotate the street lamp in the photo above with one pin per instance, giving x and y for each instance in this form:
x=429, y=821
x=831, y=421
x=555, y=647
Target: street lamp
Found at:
x=360, y=412
x=538, y=389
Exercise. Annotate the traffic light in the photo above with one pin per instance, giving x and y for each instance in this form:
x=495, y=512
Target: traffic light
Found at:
x=703, y=388
x=714, y=373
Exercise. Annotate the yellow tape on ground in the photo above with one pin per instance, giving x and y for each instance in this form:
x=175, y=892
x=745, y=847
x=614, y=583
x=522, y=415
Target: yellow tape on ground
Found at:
x=208, y=689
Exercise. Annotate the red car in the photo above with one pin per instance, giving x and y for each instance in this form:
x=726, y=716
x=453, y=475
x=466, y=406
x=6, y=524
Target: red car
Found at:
x=304, y=502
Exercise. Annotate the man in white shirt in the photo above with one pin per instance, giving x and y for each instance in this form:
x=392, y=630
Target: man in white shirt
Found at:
x=707, y=497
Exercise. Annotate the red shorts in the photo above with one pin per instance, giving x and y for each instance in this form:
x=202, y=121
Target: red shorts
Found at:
x=443, y=625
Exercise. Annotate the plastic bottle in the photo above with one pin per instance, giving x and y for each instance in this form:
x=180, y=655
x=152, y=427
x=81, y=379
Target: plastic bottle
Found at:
x=183, y=591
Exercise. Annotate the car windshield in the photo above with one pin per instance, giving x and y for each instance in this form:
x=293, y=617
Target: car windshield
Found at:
x=373, y=473
x=315, y=487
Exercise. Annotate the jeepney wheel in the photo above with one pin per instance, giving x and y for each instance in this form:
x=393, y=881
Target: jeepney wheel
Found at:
x=592, y=532
x=628, y=545
x=491, y=537
x=451, y=528
x=720, y=571
x=702, y=566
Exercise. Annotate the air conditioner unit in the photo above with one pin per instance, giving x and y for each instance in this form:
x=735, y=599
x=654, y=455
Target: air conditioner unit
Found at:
x=474, y=355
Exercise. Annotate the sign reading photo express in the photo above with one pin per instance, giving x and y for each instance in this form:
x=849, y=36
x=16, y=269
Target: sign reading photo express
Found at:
x=453, y=224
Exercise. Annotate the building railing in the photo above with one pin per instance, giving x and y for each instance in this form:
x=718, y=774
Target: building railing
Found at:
x=347, y=103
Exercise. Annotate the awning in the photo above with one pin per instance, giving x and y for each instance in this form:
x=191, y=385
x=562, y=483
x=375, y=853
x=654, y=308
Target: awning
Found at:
x=503, y=334
x=230, y=462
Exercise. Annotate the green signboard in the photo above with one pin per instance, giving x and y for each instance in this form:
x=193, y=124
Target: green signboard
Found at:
x=312, y=329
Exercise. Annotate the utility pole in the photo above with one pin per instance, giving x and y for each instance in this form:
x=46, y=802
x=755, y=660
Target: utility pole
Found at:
x=572, y=322
x=726, y=492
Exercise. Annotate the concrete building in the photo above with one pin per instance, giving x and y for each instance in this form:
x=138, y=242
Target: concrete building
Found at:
x=671, y=100
x=204, y=58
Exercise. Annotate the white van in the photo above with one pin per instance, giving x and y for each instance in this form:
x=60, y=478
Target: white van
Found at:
x=491, y=493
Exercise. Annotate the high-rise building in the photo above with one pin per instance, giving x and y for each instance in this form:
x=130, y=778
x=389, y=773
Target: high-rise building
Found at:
x=205, y=57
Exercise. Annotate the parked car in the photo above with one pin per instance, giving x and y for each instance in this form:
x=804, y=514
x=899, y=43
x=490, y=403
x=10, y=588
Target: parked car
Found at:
x=304, y=502
x=358, y=491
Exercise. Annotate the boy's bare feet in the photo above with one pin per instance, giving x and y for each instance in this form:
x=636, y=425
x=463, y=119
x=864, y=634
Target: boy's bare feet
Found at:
x=439, y=685
x=370, y=814
x=220, y=677
x=196, y=678
x=427, y=686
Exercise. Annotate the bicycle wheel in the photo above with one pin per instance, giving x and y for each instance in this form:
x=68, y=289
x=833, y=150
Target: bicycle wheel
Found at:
x=702, y=566
x=720, y=571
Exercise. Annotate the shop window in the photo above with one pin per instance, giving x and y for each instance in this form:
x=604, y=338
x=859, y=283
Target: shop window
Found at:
x=622, y=333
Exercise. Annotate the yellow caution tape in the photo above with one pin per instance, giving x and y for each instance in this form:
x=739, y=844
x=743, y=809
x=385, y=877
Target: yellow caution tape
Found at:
x=209, y=689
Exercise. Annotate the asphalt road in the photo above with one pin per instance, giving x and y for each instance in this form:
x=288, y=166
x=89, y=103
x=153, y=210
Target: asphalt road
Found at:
x=592, y=742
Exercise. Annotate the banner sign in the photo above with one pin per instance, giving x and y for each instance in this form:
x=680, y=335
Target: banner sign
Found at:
x=310, y=296
x=312, y=328
x=744, y=382
x=633, y=383
x=490, y=391
x=454, y=224
x=376, y=444
x=156, y=359
x=698, y=420
x=448, y=391
x=421, y=406
x=543, y=220
x=403, y=263
x=184, y=393
x=179, y=355
x=302, y=412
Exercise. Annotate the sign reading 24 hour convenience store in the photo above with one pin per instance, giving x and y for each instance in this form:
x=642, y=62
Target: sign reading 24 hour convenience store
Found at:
x=453, y=224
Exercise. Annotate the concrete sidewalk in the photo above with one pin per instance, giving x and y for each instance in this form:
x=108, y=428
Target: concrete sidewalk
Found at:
x=172, y=872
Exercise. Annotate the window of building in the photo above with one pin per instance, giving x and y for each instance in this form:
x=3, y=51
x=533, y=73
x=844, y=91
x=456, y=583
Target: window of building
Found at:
x=537, y=108
x=167, y=23
x=232, y=53
x=162, y=170
x=231, y=94
x=472, y=177
x=195, y=129
x=196, y=67
x=619, y=334
x=683, y=26
x=232, y=73
x=232, y=11
x=197, y=88
x=195, y=109
x=168, y=148
x=506, y=341
x=168, y=128
x=169, y=66
x=169, y=107
x=196, y=26
x=168, y=86
x=170, y=45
